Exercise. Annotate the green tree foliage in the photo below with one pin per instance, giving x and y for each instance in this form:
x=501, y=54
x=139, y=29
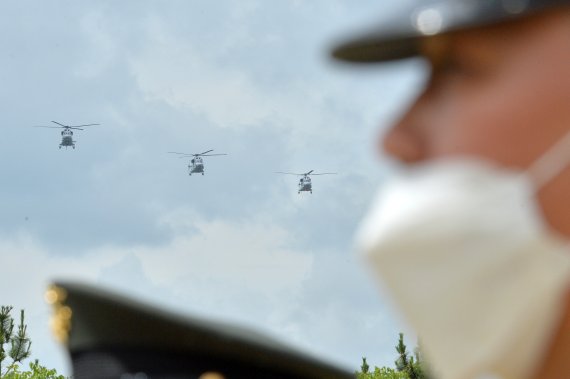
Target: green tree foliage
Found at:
x=381, y=373
x=406, y=364
x=15, y=346
x=364, y=367
x=36, y=371
x=407, y=367
x=19, y=342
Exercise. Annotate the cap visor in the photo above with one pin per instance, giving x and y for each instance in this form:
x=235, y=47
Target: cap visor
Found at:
x=401, y=36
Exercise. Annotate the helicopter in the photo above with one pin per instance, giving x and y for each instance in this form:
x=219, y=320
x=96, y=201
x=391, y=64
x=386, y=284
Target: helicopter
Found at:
x=196, y=164
x=66, y=133
x=305, y=184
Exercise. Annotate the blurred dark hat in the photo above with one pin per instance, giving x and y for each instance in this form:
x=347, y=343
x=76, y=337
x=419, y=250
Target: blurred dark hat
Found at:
x=109, y=336
x=400, y=36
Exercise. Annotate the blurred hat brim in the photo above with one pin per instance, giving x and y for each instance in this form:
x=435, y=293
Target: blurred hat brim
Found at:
x=109, y=336
x=401, y=36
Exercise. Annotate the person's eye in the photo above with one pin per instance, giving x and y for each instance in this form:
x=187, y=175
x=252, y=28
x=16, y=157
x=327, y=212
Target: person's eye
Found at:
x=452, y=66
x=467, y=69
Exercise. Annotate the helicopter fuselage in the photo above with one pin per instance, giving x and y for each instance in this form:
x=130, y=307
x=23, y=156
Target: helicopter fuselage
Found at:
x=196, y=166
x=196, y=163
x=305, y=185
x=67, y=139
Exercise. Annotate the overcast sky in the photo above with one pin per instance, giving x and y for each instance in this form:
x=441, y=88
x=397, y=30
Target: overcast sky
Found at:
x=249, y=78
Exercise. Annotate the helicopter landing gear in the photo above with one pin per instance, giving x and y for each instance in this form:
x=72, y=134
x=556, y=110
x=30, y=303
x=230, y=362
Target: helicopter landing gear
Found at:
x=202, y=174
x=59, y=147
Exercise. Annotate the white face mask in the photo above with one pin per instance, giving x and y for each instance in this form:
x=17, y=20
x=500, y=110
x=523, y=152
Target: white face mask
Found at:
x=463, y=249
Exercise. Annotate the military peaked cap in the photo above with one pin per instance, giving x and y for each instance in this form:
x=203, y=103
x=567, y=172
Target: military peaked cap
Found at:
x=400, y=36
x=109, y=336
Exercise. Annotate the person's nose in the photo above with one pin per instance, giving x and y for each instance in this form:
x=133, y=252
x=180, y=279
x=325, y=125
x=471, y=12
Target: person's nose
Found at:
x=403, y=141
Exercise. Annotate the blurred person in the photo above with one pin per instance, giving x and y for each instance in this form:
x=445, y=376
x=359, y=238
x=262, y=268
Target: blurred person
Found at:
x=472, y=238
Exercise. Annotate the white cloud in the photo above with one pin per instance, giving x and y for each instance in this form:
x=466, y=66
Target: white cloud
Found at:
x=102, y=50
x=32, y=266
x=173, y=71
x=252, y=256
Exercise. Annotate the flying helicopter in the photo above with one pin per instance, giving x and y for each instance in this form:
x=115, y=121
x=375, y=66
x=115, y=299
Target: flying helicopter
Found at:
x=196, y=164
x=305, y=184
x=66, y=133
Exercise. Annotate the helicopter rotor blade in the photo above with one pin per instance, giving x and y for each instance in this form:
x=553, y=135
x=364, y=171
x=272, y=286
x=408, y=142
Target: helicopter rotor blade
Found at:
x=181, y=155
x=188, y=155
x=288, y=173
x=308, y=173
x=44, y=126
x=73, y=127
x=80, y=126
x=325, y=173
x=65, y=126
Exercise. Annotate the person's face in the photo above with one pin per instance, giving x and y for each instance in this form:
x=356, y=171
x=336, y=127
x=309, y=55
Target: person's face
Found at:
x=499, y=93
